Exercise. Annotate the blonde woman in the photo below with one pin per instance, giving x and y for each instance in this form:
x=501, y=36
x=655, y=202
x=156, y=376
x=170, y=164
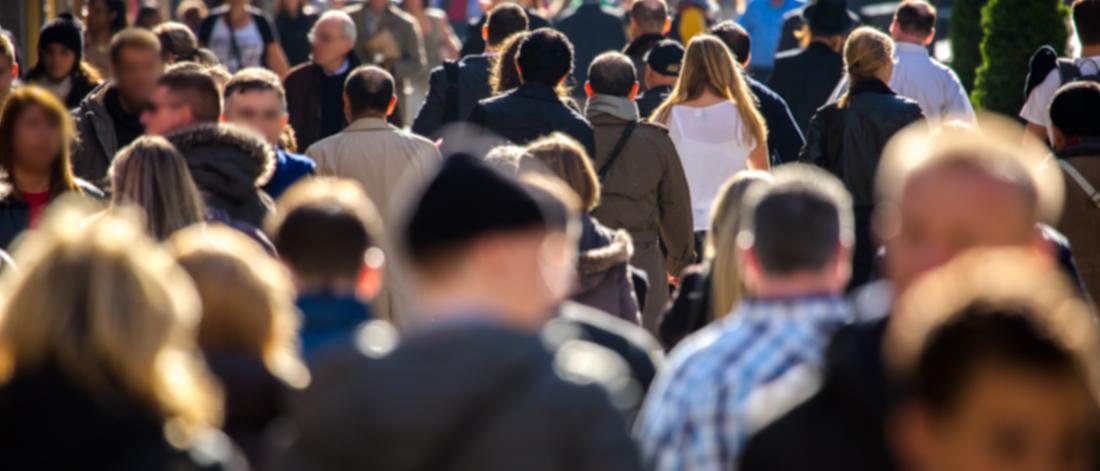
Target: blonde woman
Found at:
x=847, y=137
x=97, y=352
x=152, y=175
x=713, y=121
x=249, y=327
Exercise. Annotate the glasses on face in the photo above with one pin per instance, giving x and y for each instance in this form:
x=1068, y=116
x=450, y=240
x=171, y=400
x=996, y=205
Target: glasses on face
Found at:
x=251, y=114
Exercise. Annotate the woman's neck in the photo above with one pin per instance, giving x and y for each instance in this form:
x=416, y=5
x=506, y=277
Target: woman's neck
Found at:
x=31, y=182
x=238, y=14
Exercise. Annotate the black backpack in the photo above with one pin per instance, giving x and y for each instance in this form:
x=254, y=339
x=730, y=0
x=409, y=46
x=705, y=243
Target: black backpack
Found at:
x=1046, y=60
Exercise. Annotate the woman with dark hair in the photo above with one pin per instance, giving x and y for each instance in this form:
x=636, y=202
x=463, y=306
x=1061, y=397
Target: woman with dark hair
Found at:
x=179, y=44
x=60, y=68
x=504, y=75
x=35, y=132
x=104, y=19
x=293, y=20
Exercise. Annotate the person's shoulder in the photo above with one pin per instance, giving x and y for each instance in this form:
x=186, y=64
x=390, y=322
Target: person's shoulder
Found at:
x=763, y=92
x=406, y=19
x=416, y=139
x=788, y=56
x=300, y=71
x=299, y=161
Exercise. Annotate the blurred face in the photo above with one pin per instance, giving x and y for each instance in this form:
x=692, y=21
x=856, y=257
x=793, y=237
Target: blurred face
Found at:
x=944, y=212
x=36, y=141
x=532, y=272
x=99, y=16
x=260, y=110
x=136, y=73
x=329, y=43
x=1008, y=419
x=58, y=61
x=165, y=112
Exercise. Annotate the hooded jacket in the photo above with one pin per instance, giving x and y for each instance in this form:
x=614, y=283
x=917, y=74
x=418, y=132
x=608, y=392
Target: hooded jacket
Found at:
x=603, y=280
x=229, y=165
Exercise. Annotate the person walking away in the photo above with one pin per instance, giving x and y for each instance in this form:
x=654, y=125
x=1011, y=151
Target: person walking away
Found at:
x=592, y=30
x=255, y=99
x=784, y=137
x=806, y=77
x=104, y=19
x=454, y=88
x=917, y=76
x=714, y=124
x=241, y=36
x=440, y=44
x=847, y=137
x=61, y=68
x=642, y=182
x=763, y=20
x=649, y=23
x=150, y=174
x=719, y=382
x=474, y=42
x=315, y=90
x=294, y=20
x=382, y=159
x=391, y=39
x=662, y=70
x=793, y=34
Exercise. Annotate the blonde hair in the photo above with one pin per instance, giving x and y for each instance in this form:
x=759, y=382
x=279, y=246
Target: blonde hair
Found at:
x=720, y=250
x=151, y=174
x=123, y=323
x=247, y=299
x=867, y=51
x=563, y=157
x=708, y=65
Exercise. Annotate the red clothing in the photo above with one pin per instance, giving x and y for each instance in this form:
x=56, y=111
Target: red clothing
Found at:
x=37, y=203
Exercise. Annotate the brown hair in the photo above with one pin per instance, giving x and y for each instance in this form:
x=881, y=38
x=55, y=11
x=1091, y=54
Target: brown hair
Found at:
x=255, y=79
x=21, y=100
x=133, y=37
x=201, y=93
x=563, y=157
x=916, y=17
x=867, y=51
x=151, y=174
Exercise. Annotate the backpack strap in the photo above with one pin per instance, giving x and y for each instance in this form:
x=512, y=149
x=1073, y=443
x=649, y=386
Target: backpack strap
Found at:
x=1068, y=71
x=234, y=48
x=618, y=149
x=450, y=108
x=1081, y=182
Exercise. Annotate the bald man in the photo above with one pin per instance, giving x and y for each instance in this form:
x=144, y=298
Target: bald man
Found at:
x=315, y=89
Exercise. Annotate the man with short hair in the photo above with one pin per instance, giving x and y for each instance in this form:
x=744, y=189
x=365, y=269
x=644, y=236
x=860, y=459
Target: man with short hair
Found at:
x=474, y=43
x=109, y=118
x=9, y=68
x=182, y=98
x=784, y=138
x=662, y=71
x=254, y=98
x=918, y=76
x=649, y=23
x=534, y=109
x=1048, y=73
x=643, y=187
x=391, y=39
x=456, y=87
x=719, y=383
x=315, y=89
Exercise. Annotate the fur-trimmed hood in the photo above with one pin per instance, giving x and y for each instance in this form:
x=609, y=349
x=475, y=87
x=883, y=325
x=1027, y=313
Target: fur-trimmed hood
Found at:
x=602, y=249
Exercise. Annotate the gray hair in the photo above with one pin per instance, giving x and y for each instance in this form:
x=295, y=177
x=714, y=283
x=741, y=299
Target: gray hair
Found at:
x=345, y=21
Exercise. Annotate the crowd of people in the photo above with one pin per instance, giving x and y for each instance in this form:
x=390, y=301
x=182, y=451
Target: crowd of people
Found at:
x=498, y=236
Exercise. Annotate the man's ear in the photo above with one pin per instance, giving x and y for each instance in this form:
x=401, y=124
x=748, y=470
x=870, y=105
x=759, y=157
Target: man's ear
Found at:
x=370, y=282
x=667, y=27
x=392, y=105
x=347, y=109
x=485, y=32
x=633, y=91
x=931, y=36
x=588, y=89
x=285, y=119
x=15, y=71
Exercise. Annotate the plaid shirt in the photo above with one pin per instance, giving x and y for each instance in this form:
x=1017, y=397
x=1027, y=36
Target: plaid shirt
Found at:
x=698, y=414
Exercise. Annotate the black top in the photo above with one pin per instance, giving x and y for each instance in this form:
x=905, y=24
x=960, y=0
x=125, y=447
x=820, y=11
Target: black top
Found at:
x=784, y=136
x=532, y=111
x=637, y=50
x=473, y=86
x=593, y=30
x=475, y=44
x=651, y=99
x=805, y=79
x=294, y=34
x=332, y=103
x=127, y=125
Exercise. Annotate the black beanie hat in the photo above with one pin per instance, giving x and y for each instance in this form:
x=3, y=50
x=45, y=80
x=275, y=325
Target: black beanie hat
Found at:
x=467, y=199
x=65, y=30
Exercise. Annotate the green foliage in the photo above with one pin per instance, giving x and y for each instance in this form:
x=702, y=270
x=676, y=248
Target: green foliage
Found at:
x=966, y=39
x=1012, y=31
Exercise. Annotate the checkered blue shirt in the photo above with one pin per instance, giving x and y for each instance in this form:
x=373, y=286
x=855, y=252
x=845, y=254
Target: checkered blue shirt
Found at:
x=696, y=416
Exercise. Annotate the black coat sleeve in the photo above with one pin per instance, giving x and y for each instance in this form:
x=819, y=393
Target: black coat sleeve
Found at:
x=785, y=140
x=430, y=117
x=814, y=150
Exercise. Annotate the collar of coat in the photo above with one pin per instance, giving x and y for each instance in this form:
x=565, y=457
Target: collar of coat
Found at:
x=369, y=124
x=871, y=85
x=539, y=91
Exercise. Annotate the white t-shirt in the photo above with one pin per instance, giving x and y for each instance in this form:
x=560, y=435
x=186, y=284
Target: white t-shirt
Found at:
x=250, y=43
x=1037, y=108
x=709, y=141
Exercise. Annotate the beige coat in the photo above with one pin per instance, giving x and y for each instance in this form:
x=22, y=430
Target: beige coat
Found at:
x=390, y=163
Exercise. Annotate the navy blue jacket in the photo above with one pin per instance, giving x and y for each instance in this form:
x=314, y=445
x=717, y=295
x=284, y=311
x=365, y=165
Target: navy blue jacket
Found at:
x=328, y=320
x=289, y=168
x=532, y=111
x=784, y=136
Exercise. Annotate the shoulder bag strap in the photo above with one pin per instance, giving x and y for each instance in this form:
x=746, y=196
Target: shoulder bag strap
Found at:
x=618, y=149
x=234, y=48
x=1081, y=182
x=1067, y=71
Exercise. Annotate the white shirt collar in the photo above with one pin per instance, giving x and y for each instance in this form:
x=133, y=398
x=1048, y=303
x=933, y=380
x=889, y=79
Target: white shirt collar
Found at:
x=339, y=70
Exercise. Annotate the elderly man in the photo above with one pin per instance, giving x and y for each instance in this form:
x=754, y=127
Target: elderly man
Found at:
x=391, y=39
x=315, y=90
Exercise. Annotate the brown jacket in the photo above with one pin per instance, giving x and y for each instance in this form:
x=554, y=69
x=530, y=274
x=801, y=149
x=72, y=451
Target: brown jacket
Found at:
x=1081, y=217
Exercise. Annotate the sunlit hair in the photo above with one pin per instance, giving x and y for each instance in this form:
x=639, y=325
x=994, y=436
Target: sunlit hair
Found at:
x=865, y=53
x=504, y=76
x=563, y=157
x=720, y=250
x=152, y=175
x=709, y=65
x=247, y=299
x=125, y=325
x=15, y=106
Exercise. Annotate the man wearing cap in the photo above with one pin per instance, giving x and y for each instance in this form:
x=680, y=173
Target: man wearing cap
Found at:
x=806, y=77
x=662, y=70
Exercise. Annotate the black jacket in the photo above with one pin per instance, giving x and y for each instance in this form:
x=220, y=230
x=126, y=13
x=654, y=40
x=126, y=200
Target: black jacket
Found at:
x=532, y=111
x=649, y=101
x=15, y=214
x=805, y=78
x=97, y=142
x=784, y=136
x=229, y=164
x=637, y=50
x=690, y=308
x=254, y=398
x=473, y=86
x=474, y=44
x=593, y=30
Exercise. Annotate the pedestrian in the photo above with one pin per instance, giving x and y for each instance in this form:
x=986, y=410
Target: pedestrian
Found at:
x=191, y=13
x=294, y=20
x=720, y=382
x=152, y=175
x=543, y=60
x=179, y=44
x=440, y=43
x=643, y=188
x=329, y=234
x=391, y=39
x=315, y=90
x=714, y=123
x=128, y=391
x=241, y=36
x=504, y=76
x=649, y=23
x=474, y=42
x=104, y=19
x=847, y=137
x=35, y=135
x=148, y=16
x=603, y=272
x=255, y=99
x=1047, y=73
x=806, y=77
x=592, y=29
x=794, y=32
x=491, y=265
x=763, y=21
x=382, y=158
x=248, y=332
x=784, y=136
x=917, y=76
x=454, y=88
x=663, y=63
x=61, y=68
x=9, y=68
x=185, y=96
